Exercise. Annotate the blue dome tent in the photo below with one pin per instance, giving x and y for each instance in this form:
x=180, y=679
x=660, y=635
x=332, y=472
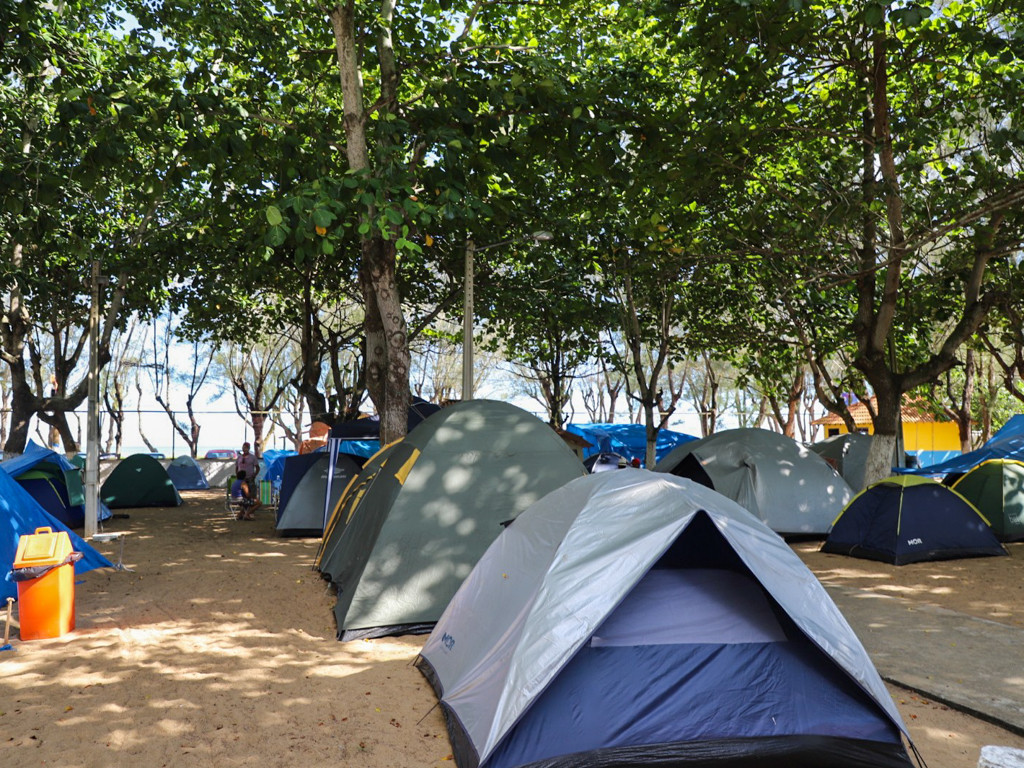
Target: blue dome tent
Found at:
x=908, y=519
x=54, y=481
x=20, y=514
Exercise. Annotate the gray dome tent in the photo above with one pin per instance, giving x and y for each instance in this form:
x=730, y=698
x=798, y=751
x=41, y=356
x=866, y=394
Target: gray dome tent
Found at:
x=634, y=618
x=416, y=519
x=781, y=482
x=304, y=491
x=847, y=454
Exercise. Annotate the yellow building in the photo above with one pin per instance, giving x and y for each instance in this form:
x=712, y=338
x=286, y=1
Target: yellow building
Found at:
x=922, y=431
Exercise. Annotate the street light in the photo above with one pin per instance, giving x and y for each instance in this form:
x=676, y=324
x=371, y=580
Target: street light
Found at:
x=472, y=249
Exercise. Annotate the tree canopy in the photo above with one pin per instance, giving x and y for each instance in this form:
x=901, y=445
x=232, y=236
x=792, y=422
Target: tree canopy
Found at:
x=812, y=190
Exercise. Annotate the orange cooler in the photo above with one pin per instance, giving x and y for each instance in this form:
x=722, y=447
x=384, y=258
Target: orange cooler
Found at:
x=46, y=605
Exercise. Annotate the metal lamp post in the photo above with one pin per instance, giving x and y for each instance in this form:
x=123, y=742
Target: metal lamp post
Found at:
x=92, y=432
x=467, y=309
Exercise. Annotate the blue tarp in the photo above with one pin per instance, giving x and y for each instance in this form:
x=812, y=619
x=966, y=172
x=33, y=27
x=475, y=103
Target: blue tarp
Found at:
x=272, y=467
x=20, y=514
x=629, y=440
x=1007, y=443
x=930, y=458
x=364, y=448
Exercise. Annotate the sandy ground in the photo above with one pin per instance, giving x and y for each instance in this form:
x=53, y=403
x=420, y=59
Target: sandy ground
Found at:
x=218, y=648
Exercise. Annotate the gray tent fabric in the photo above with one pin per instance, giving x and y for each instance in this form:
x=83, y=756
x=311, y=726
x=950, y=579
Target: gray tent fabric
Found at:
x=420, y=514
x=550, y=583
x=848, y=455
x=303, y=513
x=781, y=482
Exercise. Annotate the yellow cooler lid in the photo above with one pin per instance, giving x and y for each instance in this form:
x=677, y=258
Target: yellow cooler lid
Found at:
x=44, y=547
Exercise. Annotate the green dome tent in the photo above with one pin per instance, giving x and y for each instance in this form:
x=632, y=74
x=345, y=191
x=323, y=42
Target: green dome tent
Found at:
x=996, y=488
x=139, y=481
x=413, y=523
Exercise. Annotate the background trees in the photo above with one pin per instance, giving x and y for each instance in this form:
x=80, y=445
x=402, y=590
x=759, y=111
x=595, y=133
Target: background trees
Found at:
x=823, y=195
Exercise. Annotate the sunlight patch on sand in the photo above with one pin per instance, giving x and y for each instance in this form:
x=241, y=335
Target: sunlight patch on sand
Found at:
x=939, y=733
x=849, y=573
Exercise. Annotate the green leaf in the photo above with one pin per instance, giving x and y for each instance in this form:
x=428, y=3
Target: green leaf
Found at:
x=323, y=217
x=274, y=217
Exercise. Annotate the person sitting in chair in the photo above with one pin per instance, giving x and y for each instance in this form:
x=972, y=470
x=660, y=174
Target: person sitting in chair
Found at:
x=241, y=493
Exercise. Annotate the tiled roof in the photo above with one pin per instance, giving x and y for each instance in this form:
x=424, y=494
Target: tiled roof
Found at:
x=859, y=412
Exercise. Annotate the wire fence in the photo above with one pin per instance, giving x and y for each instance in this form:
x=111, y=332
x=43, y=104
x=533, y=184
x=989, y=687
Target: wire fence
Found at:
x=152, y=430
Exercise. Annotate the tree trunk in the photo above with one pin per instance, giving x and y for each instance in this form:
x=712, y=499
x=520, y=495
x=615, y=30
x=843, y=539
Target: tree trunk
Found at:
x=22, y=410
x=258, y=419
x=886, y=421
x=311, y=356
x=794, y=401
x=959, y=408
x=387, y=360
x=651, y=429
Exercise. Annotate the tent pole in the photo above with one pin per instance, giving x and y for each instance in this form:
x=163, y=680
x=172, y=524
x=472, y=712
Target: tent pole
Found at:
x=467, y=324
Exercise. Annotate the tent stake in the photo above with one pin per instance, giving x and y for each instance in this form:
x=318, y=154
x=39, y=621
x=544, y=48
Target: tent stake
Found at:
x=7, y=626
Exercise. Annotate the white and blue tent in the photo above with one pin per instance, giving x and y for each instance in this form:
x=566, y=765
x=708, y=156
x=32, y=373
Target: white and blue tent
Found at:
x=20, y=515
x=186, y=474
x=633, y=618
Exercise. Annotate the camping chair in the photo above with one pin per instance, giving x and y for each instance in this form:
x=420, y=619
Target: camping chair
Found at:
x=232, y=504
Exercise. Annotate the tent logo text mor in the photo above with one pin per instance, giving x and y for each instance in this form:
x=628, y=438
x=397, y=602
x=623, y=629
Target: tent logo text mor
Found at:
x=912, y=542
x=447, y=641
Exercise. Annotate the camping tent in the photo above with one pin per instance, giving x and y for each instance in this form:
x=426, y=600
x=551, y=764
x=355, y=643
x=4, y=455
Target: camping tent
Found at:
x=54, y=481
x=629, y=440
x=186, y=474
x=369, y=426
x=300, y=509
x=996, y=488
x=909, y=519
x=603, y=462
x=633, y=618
x=139, y=481
x=847, y=454
x=415, y=520
x=783, y=483
x=361, y=437
x=20, y=514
